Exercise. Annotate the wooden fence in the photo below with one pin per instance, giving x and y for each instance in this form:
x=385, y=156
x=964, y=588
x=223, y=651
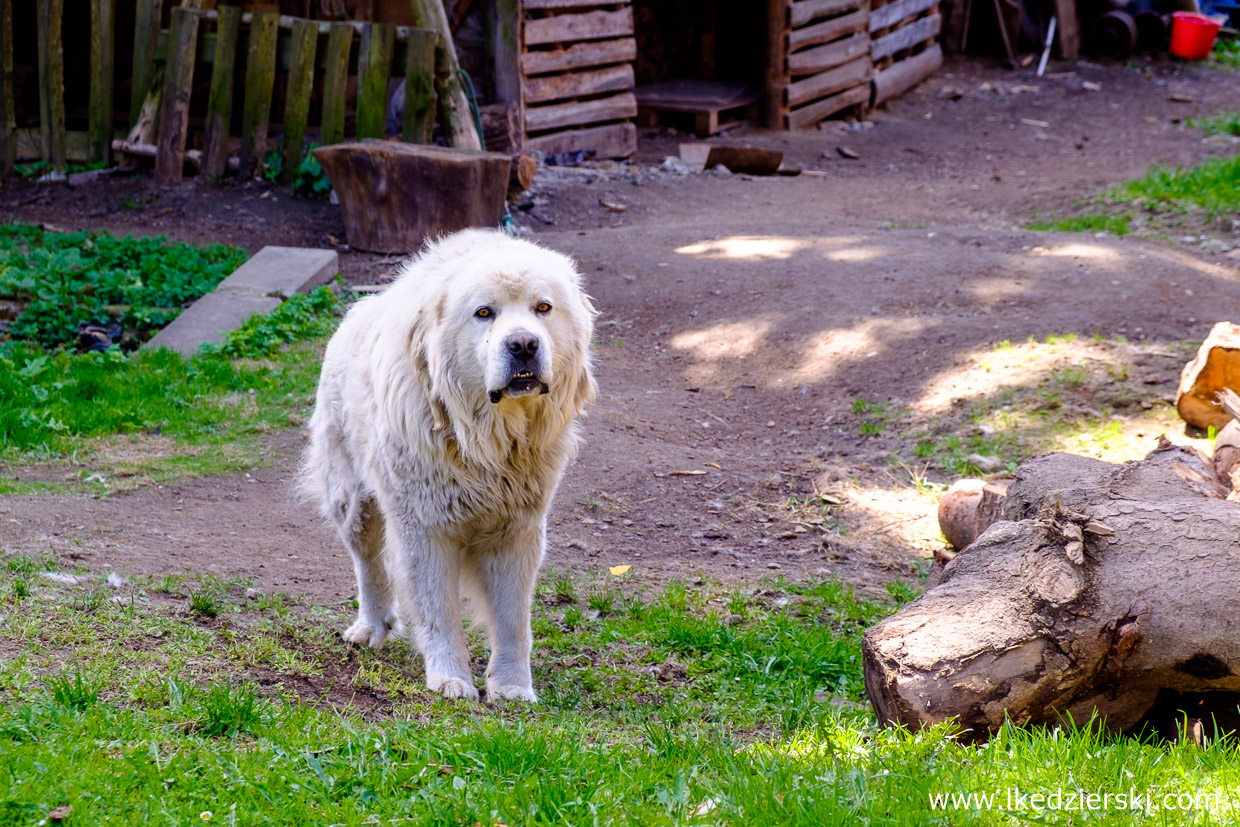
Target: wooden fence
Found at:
x=263, y=57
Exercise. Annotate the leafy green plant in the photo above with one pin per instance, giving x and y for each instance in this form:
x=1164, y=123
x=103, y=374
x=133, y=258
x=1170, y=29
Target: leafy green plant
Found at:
x=74, y=691
x=1225, y=123
x=1226, y=53
x=273, y=165
x=67, y=279
x=309, y=179
x=230, y=709
x=302, y=316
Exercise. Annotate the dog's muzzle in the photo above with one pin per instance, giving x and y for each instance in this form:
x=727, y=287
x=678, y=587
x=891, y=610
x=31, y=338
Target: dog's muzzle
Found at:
x=524, y=368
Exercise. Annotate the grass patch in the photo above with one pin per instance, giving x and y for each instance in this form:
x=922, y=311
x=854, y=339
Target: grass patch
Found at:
x=1090, y=223
x=1212, y=186
x=171, y=415
x=65, y=280
x=1226, y=53
x=686, y=706
x=1226, y=123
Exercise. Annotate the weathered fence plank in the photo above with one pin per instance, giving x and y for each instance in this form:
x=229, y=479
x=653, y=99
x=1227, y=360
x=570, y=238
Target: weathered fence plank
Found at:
x=420, y=97
x=374, y=68
x=335, y=81
x=8, y=133
x=305, y=41
x=260, y=76
x=145, y=37
x=178, y=83
x=51, y=82
x=101, y=26
x=220, y=100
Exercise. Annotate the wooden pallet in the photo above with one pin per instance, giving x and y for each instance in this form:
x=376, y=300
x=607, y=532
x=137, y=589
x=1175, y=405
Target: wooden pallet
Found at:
x=825, y=66
x=576, y=68
x=714, y=105
x=904, y=45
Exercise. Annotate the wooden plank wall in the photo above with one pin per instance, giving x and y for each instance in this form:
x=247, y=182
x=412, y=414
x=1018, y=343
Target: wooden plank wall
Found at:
x=576, y=67
x=904, y=48
x=824, y=64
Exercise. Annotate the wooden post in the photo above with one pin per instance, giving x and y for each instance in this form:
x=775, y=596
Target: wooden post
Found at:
x=374, y=68
x=178, y=82
x=456, y=119
x=297, y=99
x=1068, y=34
x=335, y=80
x=260, y=76
x=145, y=37
x=219, y=102
x=8, y=134
x=420, y=99
x=776, y=78
x=51, y=82
x=101, y=22
x=506, y=54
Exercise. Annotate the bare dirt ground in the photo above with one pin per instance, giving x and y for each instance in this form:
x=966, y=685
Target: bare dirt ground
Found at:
x=742, y=319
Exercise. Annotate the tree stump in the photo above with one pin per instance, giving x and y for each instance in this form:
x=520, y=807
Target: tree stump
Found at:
x=1098, y=586
x=393, y=195
x=1215, y=367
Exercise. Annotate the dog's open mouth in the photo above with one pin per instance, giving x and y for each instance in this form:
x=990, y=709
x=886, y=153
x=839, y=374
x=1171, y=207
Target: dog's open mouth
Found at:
x=522, y=383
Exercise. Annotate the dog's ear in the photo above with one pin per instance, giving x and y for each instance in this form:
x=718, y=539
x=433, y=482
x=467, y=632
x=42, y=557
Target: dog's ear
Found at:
x=421, y=358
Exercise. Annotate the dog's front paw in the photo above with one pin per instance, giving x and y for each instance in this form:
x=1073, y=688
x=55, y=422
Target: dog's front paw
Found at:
x=497, y=692
x=452, y=688
x=366, y=633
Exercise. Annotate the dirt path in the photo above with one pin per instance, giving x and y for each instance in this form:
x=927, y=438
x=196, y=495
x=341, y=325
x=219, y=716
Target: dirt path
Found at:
x=742, y=320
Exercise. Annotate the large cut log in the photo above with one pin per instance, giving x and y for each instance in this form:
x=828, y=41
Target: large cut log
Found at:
x=1216, y=366
x=1100, y=586
x=394, y=195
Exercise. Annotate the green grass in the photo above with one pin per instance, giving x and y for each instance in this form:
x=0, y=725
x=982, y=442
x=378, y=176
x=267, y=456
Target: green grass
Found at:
x=1212, y=186
x=1091, y=223
x=1225, y=123
x=65, y=280
x=200, y=415
x=686, y=706
x=1226, y=53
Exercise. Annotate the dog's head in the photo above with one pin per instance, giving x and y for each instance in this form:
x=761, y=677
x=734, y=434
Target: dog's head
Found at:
x=510, y=320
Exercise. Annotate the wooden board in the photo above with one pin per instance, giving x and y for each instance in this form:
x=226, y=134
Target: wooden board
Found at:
x=906, y=36
x=807, y=11
x=821, y=58
x=8, y=135
x=420, y=96
x=101, y=54
x=616, y=107
x=903, y=76
x=49, y=15
x=304, y=41
x=260, y=72
x=374, y=68
x=612, y=141
x=830, y=30
x=335, y=83
x=775, y=73
x=579, y=56
x=578, y=84
x=220, y=99
x=595, y=25
x=145, y=38
x=831, y=81
x=886, y=16
x=569, y=4
x=828, y=106
x=178, y=83
x=1068, y=31
x=686, y=95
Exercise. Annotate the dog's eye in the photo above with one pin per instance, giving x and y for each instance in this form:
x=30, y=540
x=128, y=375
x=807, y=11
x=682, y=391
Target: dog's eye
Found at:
x=542, y=307
x=484, y=312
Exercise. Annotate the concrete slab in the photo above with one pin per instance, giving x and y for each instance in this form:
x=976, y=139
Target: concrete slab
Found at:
x=210, y=318
x=258, y=286
x=284, y=271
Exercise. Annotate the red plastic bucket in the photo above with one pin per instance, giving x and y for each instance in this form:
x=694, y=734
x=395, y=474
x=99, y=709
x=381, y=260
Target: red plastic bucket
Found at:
x=1192, y=35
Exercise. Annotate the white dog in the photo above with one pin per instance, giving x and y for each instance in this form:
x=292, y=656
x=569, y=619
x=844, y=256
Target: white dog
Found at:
x=445, y=416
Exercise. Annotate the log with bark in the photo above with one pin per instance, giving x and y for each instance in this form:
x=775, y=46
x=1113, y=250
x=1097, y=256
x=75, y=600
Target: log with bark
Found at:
x=1097, y=587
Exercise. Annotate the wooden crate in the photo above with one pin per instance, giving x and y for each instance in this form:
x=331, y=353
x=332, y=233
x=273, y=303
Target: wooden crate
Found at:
x=576, y=68
x=903, y=45
x=825, y=64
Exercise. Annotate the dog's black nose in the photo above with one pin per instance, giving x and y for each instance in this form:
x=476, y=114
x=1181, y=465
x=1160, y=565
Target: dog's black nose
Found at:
x=523, y=346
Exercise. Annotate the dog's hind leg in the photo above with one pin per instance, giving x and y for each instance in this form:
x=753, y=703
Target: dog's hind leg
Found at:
x=429, y=591
x=363, y=533
x=505, y=575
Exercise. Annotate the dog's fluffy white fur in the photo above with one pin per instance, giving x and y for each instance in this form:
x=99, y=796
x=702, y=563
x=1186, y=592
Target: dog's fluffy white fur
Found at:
x=446, y=413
